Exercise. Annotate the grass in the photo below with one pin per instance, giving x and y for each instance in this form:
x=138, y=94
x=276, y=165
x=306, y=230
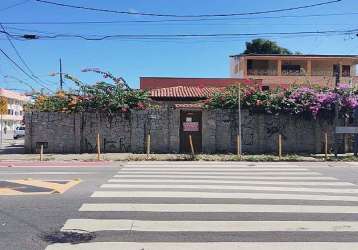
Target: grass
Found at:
x=347, y=157
x=179, y=157
x=217, y=157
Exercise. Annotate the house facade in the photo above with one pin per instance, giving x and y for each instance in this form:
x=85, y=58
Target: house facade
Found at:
x=323, y=70
x=166, y=82
x=188, y=93
x=15, y=113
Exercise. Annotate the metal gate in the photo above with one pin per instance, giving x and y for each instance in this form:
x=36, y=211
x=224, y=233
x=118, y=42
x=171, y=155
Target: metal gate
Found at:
x=190, y=124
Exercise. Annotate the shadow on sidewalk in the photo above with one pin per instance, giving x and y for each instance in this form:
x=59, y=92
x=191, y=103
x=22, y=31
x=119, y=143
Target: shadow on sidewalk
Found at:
x=11, y=146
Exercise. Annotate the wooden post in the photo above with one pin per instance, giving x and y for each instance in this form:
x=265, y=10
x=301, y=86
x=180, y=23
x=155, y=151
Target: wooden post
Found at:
x=98, y=148
x=191, y=145
x=148, y=145
x=326, y=146
x=41, y=152
x=280, y=146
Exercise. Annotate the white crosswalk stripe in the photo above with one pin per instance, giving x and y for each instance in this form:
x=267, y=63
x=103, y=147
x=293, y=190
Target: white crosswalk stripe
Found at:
x=208, y=177
x=149, y=173
x=225, y=165
x=219, y=195
x=206, y=246
x=237, y=182
x=217, y=187
x=219, y=208
x=174, y=206
x=207, y=170
x=209, y=226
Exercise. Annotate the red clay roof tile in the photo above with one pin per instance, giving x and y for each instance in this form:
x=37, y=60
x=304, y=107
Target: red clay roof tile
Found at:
x=183, y=92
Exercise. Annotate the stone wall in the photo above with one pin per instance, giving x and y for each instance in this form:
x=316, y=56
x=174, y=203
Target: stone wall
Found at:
x=121, y=132
x=260, y=133
x=126, y=132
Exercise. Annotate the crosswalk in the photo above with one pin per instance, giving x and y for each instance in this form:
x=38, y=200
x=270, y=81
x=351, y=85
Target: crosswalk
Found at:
x=211, y=206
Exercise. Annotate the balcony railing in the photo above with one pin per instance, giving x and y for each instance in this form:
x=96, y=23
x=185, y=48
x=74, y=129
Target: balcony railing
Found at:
x=327, y=81
x=261, y=72
x=293, y=73
x=302, y=72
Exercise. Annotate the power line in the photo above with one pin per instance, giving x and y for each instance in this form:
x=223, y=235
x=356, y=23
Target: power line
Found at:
x=96, y=37
x=21, y=69
x=178, y=20
x=14, y=5
x=16, y=51
x=186, y=16
x=19, y=80
x=20, y=57
x=30, y=30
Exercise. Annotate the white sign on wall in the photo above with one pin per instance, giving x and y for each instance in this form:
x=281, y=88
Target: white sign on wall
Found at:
x=346, y=130
x=190, y=126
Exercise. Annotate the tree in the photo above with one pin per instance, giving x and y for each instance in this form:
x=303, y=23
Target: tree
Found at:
x=263, y=46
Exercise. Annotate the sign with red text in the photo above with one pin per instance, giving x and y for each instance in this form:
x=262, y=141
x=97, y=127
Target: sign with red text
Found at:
x=190, y=126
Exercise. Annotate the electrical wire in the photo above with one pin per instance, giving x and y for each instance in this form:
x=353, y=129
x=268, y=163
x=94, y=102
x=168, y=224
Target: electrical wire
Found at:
x=14, y=5
x=21, y=69
x=177, y=20
x=182, y=37
x=177, y=36
x=186, y=16
x=21, y=58
x=30, y=30
x=17, y=52
x=19, y=80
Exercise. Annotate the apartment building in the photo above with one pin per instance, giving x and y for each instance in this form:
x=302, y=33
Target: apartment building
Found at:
x=324, y=70
x=14, y=116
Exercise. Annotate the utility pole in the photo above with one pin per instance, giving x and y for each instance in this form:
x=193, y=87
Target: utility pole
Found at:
x=61, y=79
x=336, y=112
x=239, y=111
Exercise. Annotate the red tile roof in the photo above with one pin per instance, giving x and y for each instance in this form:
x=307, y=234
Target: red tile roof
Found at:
x=183, y=92
x=166, y=82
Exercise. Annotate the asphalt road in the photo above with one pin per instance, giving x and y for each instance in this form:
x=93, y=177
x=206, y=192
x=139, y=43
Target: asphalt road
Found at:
x=25, y=219
x=172, y=205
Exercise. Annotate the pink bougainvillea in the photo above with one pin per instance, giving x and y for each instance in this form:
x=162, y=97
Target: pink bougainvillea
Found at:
x=313, y=102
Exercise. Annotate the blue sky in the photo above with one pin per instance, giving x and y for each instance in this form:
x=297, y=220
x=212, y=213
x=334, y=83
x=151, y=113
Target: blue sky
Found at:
x=189, y=58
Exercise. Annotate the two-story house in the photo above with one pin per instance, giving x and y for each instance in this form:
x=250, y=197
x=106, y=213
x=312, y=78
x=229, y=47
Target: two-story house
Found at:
x=284, y=70
x=15, y=112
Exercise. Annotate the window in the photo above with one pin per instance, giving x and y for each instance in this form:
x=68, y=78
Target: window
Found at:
x=335, y=69
x=249, y=65
x=346, y=70
x=288, y=69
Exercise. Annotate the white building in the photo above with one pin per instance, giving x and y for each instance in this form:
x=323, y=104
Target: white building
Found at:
x=15, y=111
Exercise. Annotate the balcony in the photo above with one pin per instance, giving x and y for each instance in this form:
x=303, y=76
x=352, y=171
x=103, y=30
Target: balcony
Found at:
x=261, y=72
x=324, y=81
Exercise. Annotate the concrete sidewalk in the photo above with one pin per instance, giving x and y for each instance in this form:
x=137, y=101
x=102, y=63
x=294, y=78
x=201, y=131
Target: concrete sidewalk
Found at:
x=89, y=157
x=144, y=157
x=114, y=157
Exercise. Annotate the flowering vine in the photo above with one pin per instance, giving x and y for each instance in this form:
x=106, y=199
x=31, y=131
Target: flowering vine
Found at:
x=98, y=97
x=304, y=101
